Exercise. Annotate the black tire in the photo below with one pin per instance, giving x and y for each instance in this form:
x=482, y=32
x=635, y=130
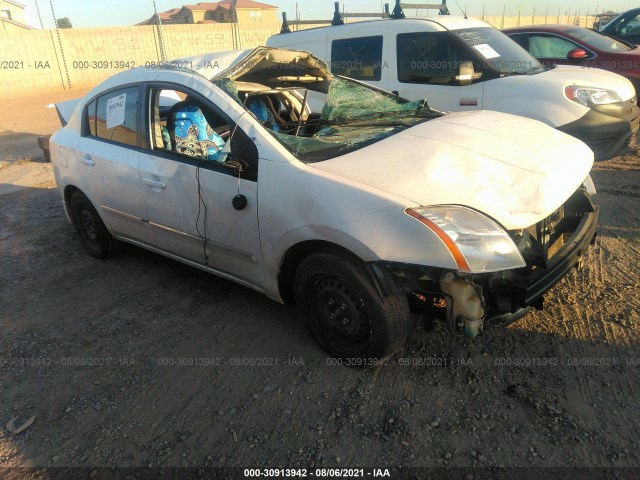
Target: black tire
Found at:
x=95, y=237
x=343, y=310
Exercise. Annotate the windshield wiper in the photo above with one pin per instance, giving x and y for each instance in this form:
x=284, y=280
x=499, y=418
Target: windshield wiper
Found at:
x=373, y=115
x=358, y=123
x=528, y=71
x=422, y=110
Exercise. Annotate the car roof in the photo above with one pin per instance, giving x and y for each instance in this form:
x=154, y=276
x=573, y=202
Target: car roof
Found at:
x=436, y=22
x=209, y=63
x=206, y=66
x=452, y=22
x=541, y=28
x=138, y=75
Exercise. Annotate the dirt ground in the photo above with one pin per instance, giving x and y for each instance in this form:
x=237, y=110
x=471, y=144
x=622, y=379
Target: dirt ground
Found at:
x=139, y=361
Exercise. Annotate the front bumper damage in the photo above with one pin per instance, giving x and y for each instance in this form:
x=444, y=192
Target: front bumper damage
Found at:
x=466, y=302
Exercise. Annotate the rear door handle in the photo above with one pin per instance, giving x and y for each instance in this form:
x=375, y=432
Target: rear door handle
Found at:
x=153, y=183
x=87, y=160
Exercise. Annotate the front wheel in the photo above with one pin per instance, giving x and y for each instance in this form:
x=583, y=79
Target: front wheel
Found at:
x=343, y=310
x=95, y=237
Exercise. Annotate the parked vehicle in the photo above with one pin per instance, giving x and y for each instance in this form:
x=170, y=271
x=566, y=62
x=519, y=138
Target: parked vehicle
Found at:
x=571, y=45
x=601, y=19
x=361, y=212
x=625, y=26
x=465, y=64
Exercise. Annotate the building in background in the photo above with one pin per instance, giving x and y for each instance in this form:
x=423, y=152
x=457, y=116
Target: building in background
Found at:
x=12, y=16
x=247, y=11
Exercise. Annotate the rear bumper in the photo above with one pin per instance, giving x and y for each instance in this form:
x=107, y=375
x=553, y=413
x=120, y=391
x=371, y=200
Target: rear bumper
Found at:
x=607, y=129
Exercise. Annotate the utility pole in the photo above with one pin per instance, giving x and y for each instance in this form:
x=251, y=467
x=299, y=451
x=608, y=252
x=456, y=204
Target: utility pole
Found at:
x=234, y=26
x=39, y=16
x=163, y=52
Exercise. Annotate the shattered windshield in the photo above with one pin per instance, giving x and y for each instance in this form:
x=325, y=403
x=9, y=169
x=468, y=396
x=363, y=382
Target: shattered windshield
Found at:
x=312, y=113
x=350, y=116
x=499, y=51
x=347, y=101
x=353, y=117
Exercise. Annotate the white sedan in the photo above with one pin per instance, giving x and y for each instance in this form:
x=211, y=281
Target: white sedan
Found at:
x=263, y=168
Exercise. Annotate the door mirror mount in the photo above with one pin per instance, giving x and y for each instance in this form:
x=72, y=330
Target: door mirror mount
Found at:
x=465, y=73
x=236, y=164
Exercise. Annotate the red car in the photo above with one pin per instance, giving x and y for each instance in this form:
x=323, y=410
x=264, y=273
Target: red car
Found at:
x=572, y=45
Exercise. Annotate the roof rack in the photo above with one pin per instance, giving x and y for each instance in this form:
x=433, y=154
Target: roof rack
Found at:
x=338, y=18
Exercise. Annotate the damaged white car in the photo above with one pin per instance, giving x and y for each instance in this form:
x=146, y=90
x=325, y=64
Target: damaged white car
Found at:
x=360, y=211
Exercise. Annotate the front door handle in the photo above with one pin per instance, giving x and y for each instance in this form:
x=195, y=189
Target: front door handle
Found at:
x=87, y=160
x=153, y=183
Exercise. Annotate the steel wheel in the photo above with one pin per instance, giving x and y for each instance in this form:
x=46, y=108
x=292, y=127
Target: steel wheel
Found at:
x=340, y=315
x=343, y=310
x=95, y=237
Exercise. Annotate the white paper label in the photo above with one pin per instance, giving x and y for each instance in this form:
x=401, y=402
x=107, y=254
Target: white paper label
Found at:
x=115, y=110
x=486, y=51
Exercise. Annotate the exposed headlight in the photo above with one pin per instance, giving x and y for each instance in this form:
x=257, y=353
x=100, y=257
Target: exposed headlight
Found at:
x=477, y=243
x=591, y=96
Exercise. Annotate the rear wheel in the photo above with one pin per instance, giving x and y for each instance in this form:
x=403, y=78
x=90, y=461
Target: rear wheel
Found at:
x=343, y=310
x=94, y=235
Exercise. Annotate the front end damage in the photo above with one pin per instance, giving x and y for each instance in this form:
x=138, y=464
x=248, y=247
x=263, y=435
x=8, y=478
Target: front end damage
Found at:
x=466, y=302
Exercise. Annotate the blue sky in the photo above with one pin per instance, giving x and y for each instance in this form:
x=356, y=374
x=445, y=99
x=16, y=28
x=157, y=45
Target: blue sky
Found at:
x=93, y=13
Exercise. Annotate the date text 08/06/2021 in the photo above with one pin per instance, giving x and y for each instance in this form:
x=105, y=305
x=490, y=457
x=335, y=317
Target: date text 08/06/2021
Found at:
x=317, y=472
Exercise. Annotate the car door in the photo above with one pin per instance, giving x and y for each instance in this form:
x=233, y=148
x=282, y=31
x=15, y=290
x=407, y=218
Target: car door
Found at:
x=551, y=49
x=429, y=66
x=201, y=209
x=108, y=153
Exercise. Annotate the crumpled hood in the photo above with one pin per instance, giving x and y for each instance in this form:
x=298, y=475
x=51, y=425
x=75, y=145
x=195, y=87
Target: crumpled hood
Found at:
x=513, y=169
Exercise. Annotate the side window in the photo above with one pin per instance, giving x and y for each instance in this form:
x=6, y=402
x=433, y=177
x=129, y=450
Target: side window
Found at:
x=432, y=58
x=114, y=116
x=548, y=46
x=521, y=39
x=359, y=58
x=183, y=124
x=630, y=26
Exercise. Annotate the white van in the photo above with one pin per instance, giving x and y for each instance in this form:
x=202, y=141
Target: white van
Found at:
x=465, y=64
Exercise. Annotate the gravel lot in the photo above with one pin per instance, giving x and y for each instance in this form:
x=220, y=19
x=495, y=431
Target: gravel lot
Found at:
x=139, y=361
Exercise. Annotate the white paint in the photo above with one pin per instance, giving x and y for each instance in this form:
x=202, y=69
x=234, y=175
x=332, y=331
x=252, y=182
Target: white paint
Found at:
x=513, y=169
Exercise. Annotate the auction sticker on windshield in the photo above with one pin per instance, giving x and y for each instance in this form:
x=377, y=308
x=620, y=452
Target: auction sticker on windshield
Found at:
x=486, y=51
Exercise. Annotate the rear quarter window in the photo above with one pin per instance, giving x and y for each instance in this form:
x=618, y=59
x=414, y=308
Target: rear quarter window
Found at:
x=114, y=116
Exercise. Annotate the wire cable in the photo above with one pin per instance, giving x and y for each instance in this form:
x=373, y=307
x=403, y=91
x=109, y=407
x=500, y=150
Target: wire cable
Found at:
x=202, y=206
